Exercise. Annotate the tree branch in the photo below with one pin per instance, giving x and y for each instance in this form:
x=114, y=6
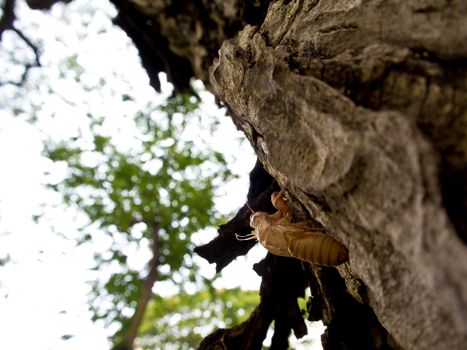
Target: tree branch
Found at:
x=7, y=23
x=44, y=4
x=146, y=292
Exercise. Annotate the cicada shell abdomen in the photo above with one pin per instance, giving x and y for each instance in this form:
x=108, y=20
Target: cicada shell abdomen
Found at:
x=318, y=248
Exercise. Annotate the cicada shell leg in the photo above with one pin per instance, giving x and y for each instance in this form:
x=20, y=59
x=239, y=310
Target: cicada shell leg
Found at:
x=279, y=202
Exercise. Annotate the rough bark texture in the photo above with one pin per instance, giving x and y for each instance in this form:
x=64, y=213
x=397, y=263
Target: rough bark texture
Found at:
x=358, y=108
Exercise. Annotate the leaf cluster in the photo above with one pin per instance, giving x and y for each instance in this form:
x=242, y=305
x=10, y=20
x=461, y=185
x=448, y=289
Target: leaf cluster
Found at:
x=183, y=320
x=163, y=184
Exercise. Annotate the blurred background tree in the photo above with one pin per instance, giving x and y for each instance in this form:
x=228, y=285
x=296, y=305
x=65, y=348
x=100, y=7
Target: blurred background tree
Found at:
x=136, y=169
x=149, y=199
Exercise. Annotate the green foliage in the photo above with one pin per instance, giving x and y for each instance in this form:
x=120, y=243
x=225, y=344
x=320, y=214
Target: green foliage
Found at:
x=163, y=184
x=134, y=167
x=183, y=320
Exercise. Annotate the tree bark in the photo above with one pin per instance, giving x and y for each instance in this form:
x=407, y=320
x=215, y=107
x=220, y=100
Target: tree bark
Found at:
x=358, y=108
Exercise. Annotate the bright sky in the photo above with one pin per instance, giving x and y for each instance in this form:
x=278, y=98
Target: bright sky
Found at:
x=43, y=288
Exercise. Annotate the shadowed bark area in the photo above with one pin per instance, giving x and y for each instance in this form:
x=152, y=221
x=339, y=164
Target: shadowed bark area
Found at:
x=283, y=282
x=181, y=38
x=359, y=109
x=350, y=324
x=226, y=247
x=153, y=47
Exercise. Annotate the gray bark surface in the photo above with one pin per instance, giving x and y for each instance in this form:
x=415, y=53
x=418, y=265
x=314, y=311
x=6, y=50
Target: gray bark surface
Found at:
x=368, y=175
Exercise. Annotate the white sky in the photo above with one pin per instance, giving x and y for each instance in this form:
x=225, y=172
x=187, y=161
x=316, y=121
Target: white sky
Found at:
x=43, y=289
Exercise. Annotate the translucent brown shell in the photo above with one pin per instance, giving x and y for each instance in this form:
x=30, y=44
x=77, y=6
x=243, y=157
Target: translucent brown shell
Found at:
x=300, y=240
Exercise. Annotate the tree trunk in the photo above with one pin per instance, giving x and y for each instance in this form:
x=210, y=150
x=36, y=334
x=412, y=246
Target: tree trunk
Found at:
x=146, y=292
x=359, y=109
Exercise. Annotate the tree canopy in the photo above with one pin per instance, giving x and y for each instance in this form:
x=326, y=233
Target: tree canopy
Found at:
x=142, y=180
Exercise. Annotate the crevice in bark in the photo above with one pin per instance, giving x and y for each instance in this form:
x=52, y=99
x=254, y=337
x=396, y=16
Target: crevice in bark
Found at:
x=350, y=325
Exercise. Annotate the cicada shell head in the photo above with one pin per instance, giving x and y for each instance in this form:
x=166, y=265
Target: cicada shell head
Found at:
x=259, y=219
